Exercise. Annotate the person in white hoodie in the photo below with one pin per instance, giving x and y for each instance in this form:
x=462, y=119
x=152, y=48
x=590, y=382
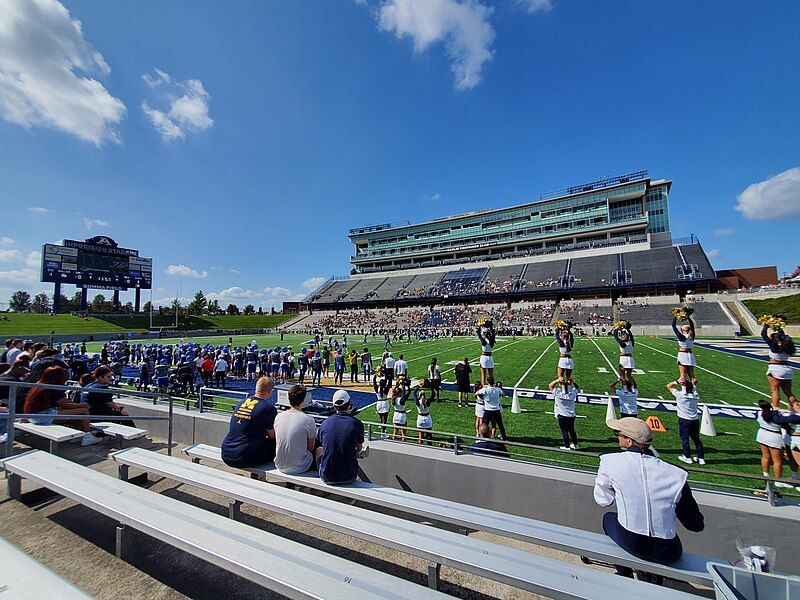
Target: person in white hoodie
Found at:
x=651, y=497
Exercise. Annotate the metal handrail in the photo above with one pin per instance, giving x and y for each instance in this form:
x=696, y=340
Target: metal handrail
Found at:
x=12, y=414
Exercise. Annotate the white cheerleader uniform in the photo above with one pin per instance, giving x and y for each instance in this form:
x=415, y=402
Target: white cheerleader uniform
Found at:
x=626, y=356
x=399, y=417
x=565, y=362
x=769, y=434
x=794, y=438
x=783, y=372
x=685, y=355
x=424, y=417
x=479, y=407
x=487, y=362
x=382, y=406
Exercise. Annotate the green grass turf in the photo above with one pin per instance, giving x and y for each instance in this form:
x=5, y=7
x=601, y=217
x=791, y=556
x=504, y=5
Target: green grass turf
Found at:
x=31, y=324
x=785, y=305
x=734, y=449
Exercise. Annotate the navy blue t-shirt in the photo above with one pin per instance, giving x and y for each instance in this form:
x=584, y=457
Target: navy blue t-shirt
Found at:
x=247, y=434
x=339, y=435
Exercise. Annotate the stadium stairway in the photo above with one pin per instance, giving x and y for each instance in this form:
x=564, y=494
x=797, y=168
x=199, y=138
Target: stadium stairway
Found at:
x=748, y=323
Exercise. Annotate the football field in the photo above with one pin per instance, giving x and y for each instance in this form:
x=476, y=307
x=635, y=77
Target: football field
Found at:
x=531, y=363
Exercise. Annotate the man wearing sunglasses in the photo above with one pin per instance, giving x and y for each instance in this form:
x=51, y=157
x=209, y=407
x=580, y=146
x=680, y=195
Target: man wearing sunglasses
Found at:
x=651, y=497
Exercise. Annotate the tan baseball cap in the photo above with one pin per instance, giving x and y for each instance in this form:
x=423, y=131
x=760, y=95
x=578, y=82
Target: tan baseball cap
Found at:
x=633, y=428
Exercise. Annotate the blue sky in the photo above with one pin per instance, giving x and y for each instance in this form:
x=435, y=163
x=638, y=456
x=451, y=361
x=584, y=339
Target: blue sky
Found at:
x=237, y=144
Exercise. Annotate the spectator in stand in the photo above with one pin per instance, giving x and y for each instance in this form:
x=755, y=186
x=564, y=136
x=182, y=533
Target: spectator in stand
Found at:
x=220, y=371
x=101, y=403
x=651, y=495
x=463, y=372
x=295, y=435
x=14, y=351
x=341, y=440
x=486, y=445
x=250, y=441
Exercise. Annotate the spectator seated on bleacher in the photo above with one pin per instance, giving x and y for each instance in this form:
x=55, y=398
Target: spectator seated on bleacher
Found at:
x=486, y=445
x=250, y=441
x=101, y=403
x=295, y=435
x=341, y=439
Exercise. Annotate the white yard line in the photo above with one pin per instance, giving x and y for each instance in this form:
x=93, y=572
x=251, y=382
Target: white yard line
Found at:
x=613, y=368
x=496, y=350
x=443, y=350
x=516, y=385
x=747, y=387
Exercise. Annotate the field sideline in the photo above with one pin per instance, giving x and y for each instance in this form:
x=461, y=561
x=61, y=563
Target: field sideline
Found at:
x=531, y=363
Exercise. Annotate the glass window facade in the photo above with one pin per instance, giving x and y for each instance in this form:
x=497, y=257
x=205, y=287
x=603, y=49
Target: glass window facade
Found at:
x=657, y=206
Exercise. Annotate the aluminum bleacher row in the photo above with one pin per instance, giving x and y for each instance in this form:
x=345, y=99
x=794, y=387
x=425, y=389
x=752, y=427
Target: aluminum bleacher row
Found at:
x=657, y=266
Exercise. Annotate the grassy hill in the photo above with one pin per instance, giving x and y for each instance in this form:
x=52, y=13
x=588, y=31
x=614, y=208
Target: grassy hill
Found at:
x=785, y=305
x=24, y=324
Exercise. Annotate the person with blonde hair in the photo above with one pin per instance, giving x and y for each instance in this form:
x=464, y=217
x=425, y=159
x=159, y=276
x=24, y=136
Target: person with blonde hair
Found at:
x=250, y=441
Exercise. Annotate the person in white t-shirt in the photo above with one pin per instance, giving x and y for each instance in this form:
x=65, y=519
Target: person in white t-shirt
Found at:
x=400, y=368
x=295, y=435
x=565, y=394
x=628, y=398
x=492, y=410
x=220, y=370
x=686, y=396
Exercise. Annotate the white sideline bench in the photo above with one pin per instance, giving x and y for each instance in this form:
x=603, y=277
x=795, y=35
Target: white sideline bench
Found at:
x=690, y=567
x=24, y=578
x=514, y=567
x=55, y=434
x=285, y=566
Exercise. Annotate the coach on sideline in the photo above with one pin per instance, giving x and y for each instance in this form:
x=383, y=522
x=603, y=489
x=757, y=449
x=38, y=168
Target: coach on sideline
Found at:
x=651, y=496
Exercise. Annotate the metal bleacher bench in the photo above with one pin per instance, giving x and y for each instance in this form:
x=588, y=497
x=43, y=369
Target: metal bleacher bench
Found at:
x=514, y=567
x=56, y=434
x=690, y=568
x=24, y=578
x=284, y=566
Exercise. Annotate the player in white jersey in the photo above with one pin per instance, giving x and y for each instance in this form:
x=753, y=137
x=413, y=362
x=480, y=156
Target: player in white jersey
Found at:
x=624, y=337
x=779, y=373
x=487, y=338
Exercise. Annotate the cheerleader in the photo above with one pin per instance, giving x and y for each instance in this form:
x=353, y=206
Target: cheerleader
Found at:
x=779, y=373
x=399, y=396
x=423, y=414
x=624, y=337
x=792, y=439
x=479, y=408
x=566, y=342
x=487, y=339
x=770, y=439
x=381, y=387
x=686, y=358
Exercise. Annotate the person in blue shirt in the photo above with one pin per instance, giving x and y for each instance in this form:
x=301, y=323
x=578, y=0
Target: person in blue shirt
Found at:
x=338, y=368
x=341, y=440
x=486, y=445
x=250, y=441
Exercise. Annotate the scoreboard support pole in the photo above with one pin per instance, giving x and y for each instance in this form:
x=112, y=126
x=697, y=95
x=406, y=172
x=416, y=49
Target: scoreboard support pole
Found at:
x=57, y=297
x=136, y=300
x=84, y=299
x=116, y=300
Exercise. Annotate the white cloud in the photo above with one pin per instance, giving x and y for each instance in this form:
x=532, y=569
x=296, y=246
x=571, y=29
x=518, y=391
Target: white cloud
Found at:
x=313, y=283
x=42, y=50
x=277, y=291
x=233, y=293
x=534, y=6
x=713, y=253
x=184, y=271
x=234, y=271
x=7, y=241
x=10, y=255
x=19, y=277
x=774, y=199
x=38, y=210
x=722, y=231
x=186, y=106
x=91, y=223
x=34, y=259
x=462, y=26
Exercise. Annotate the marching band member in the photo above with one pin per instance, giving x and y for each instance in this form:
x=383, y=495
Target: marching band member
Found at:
x=781, y=347
x=566, y=341
x=487, y=338
x=685, y=335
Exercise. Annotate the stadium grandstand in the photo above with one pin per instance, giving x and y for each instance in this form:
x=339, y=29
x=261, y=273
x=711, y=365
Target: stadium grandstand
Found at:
x=604, y=239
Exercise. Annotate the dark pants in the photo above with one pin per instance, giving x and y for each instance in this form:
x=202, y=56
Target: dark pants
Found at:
x=641, y=546
x=494, y=417
x=302, y=374
x=353, y=374
x=567, y=426
x=253, y=458
x=220, y=378
x=206, y=378
x=690, y=429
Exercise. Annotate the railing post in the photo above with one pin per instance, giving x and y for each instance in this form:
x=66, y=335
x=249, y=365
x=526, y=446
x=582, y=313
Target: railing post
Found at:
x=12, y=412
x=455, y=444
x=169, y=428
x=369, y=432
x=200, y=402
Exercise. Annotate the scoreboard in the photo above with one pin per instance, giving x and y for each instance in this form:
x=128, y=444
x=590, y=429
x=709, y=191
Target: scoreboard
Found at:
x=96, y=263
